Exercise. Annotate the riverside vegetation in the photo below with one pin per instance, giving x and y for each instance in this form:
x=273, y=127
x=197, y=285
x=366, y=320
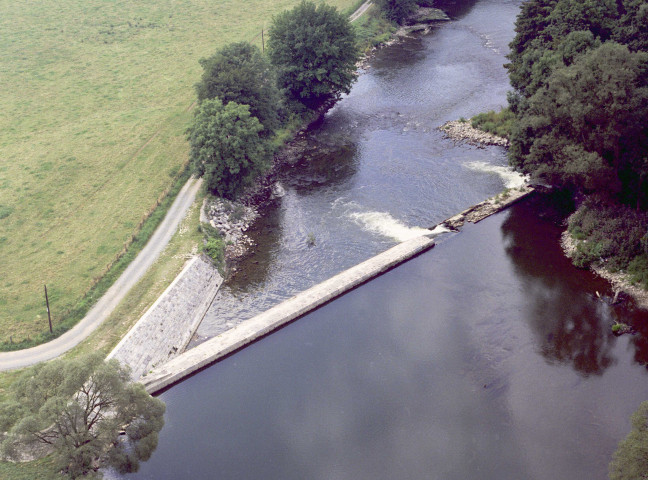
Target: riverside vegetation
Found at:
x=249, y=103
x=578, y=120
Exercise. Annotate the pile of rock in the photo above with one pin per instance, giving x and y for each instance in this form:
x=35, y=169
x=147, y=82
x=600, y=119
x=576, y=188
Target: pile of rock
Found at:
x=232, y=220
x=464, y=131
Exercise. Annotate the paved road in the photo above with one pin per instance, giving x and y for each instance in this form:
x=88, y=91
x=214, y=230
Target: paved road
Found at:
x=115, y=294
x=358, y=13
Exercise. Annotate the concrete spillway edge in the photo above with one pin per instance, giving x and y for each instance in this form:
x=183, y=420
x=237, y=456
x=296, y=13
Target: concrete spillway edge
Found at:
x=278, y=316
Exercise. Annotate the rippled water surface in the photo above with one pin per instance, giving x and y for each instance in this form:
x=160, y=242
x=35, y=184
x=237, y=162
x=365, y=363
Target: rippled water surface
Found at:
x=377, y=166
x=488, y=357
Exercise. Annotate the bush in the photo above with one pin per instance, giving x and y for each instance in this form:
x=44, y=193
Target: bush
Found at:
x=612, y=232
x=215, y=249
x=397, y=10
x=498, y=123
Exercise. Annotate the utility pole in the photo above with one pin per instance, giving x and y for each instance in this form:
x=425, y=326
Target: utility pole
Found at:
x=49, y=317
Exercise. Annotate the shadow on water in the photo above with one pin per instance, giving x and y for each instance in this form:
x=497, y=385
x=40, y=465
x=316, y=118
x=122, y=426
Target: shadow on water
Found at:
x=455, y=8
x=322, y=165
x=266, y=233
x=570, y=324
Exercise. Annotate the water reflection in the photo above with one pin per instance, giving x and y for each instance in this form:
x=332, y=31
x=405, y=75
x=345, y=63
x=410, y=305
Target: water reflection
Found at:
x=322, y=165
x=455, y=8
x=571, y=325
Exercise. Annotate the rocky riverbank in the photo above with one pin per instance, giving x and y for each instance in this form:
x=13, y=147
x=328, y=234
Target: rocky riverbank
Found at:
x=231, y=220
x=620, y=281
x=463, y=131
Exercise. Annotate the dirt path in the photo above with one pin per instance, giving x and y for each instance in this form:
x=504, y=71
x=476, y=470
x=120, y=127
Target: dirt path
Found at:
x=358, y=13
x=115, y=294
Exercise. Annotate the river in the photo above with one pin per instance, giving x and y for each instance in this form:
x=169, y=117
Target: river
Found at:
x=487, y=357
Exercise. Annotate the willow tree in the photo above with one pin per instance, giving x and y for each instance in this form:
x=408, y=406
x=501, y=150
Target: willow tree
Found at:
x=87, y=411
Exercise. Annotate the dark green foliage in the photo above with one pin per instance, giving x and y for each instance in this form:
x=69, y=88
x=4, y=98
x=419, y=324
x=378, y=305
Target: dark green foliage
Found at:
x=587, y=127
x=226, y=146
x=630, y=461
x=541, y=29
x=79, y=408
x=239, y=73
x=215, y=249
x=314, y=50
x=397, y=10
x=498, y=123
x=580, y=73
x=632, y=27
x=608, y=231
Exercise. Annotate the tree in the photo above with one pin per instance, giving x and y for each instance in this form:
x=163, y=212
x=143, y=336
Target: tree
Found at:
x=541, y=29
x=239, y=73
x=587, y=127
x=314, y=50
x=630, y=461
x=226, y=146
x=632, y=28
x=397, y=10
x=79, y=408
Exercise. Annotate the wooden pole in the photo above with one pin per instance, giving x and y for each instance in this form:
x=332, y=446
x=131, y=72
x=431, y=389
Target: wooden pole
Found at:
x=262, y=42
x=49, y=317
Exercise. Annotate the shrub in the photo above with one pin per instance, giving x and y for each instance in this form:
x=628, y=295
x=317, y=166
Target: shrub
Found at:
x=498, y=123
x=608, y=231
x=215, y=249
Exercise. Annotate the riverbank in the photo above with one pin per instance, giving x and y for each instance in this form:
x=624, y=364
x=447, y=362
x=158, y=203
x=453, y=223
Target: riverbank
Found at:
x=620, y=281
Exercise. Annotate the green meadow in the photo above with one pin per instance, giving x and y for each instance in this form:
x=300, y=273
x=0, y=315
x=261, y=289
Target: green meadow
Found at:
x=95, y=99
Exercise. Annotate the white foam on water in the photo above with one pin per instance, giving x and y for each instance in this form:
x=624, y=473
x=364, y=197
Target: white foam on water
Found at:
x=386, y=225
x=510, y=177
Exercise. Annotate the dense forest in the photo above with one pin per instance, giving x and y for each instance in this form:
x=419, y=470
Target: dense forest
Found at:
x=579, y=70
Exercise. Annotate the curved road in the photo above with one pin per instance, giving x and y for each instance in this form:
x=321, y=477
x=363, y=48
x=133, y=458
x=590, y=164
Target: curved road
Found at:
x=115, y=294
x=133, y=273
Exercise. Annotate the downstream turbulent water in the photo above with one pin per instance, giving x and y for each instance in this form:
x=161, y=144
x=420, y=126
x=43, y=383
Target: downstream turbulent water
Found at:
x=377, y=170
x=488, y=357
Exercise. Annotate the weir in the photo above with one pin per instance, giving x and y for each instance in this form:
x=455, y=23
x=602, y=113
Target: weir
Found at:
x=278, y=316
x=238, y=337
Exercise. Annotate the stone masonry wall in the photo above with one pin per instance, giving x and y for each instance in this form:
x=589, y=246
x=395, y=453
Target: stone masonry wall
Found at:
x=167, y=327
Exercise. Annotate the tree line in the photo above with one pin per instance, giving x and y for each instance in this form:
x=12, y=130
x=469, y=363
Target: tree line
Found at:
x=247, y=97
x=579, y=72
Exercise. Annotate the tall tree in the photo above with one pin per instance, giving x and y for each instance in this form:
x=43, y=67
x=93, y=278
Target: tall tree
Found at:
x=239, y=73
x=80, y=407
x=226, y=146
x=314, y=49
x=541, y=28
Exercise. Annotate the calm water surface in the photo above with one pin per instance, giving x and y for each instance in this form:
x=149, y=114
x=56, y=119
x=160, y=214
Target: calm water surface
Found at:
x=488, y=357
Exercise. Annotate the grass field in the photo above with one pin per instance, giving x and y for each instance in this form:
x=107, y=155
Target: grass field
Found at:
x=96, y=97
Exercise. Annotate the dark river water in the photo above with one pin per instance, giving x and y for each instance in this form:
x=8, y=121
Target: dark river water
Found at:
x=488, y=357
